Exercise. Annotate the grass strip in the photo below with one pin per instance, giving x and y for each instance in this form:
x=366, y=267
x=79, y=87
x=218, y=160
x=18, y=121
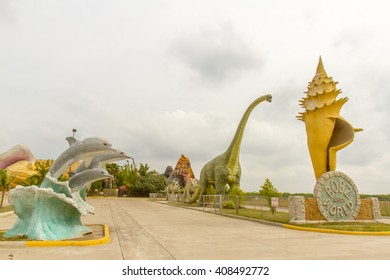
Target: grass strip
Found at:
x=367, y=227
x=7, y=208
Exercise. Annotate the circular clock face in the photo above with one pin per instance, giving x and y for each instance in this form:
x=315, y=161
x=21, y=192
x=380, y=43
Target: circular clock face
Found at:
x=337, y=196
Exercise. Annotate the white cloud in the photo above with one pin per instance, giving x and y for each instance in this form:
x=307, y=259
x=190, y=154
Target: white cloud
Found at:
x=159, y=79
x=217, y=54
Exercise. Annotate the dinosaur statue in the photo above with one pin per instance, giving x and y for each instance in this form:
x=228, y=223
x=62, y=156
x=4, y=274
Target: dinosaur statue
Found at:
x=173, y=188
x=225, y=169
x=189, y=189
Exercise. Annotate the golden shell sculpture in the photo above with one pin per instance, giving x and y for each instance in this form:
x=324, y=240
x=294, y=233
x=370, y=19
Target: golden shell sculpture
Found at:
x=327, y=132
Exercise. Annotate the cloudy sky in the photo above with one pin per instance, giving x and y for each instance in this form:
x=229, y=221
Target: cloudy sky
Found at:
x=165, y=78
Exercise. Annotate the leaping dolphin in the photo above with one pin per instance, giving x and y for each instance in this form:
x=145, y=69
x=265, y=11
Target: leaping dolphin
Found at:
x=98, y=161
x=86, y=177
x=81, y=182
x=78, y=150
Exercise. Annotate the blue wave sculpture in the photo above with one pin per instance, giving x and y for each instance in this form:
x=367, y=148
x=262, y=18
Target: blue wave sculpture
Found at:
x=53, y=210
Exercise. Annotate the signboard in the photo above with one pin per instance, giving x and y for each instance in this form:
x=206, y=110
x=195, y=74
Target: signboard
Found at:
x=274, y=202
x=337, y=196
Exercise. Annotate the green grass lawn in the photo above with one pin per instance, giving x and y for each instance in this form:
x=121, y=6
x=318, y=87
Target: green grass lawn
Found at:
x=278, y=217
x=351, y=226
x=2, y=238
x=283, y=217
x=6, y=208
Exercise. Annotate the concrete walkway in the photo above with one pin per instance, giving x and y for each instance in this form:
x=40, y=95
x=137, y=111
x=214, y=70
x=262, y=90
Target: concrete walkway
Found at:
x=144, y=230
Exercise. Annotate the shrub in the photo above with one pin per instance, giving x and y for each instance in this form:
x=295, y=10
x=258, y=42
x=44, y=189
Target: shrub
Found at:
x=237, y=192
x=210, y=189
x=229, y=205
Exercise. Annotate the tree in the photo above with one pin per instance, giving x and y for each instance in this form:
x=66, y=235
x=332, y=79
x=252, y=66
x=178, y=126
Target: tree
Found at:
x=143, y=169
x=152, y=182
x=41, y=169
x=138, y=181
x=236, y=191
x=4, y=184
x=268, y=190
x=113, y=169
x=128, y=175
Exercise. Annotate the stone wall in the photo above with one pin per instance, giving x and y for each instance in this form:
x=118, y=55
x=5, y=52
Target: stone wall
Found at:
x=110, y=192
x=305, y=210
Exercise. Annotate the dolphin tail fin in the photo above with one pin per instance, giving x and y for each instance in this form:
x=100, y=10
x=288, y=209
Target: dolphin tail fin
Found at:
x=71, y=140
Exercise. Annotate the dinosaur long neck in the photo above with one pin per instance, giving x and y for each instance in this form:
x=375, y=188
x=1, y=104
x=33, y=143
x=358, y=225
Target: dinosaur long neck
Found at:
x=233, y=151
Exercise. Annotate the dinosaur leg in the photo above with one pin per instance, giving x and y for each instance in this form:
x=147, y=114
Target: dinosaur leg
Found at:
x=203, y=183
x=202, y=192
x=220, y=187
x=234, y=186
x=221, y=179
x=234, y=182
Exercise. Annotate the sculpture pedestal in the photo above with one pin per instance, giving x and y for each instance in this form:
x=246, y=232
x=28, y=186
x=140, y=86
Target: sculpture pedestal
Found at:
x=336, y=199
x=305, y=210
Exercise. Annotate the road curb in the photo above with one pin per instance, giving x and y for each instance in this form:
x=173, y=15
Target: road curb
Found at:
x=293, y=227
x=334, y=231
x=49, y=243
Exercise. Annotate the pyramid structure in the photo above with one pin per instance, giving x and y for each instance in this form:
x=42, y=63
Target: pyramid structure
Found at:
x=182, y=172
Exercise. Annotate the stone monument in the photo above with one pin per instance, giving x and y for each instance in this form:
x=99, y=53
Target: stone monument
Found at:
x=336, y=196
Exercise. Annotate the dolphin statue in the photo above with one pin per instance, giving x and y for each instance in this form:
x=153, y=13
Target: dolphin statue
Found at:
x=53, y=210
x=57, y=186
x=80, y=180
x=78, y=150
x=79, y=184
x=99, y=160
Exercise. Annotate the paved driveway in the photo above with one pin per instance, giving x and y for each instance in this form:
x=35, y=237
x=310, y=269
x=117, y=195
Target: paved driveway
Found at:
x=144, y=230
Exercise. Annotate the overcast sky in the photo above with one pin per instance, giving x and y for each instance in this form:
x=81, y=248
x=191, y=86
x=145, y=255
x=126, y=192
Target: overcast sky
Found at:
x=164, y=78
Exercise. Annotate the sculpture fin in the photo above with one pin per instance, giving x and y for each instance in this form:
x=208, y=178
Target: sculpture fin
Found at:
x=71, y=140
x=87, y=161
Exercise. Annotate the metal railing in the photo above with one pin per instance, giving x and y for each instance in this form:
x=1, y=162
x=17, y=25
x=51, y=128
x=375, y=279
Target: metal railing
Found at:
x=258, y=206
x=384, y=207
x=252, y=205
x=158, y=195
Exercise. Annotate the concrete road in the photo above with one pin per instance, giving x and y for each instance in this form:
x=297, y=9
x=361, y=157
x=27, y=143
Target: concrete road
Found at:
x=144, y=230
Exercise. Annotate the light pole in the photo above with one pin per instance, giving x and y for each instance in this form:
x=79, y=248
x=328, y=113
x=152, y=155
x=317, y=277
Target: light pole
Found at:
x=74, y=130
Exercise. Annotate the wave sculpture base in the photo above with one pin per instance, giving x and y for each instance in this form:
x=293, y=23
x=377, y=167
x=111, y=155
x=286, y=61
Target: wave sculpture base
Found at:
x=45, y=215
x=53, y=210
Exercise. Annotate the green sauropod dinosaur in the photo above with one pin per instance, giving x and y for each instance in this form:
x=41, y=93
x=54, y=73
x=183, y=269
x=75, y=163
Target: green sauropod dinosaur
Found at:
x=225, y=168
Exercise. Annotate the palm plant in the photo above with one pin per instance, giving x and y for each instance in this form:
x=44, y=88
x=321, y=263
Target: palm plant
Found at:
x=4, y=184
x=143, y=169
x=41, y=169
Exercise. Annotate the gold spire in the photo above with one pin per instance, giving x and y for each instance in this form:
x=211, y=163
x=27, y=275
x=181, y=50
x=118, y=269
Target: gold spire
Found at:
x=320, y=68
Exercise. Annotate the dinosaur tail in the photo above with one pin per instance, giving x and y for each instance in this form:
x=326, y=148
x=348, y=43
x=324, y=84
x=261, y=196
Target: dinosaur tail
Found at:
x=195, y=196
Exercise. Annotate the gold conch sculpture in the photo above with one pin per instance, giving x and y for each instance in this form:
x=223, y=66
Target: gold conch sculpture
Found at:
x=327, y=132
